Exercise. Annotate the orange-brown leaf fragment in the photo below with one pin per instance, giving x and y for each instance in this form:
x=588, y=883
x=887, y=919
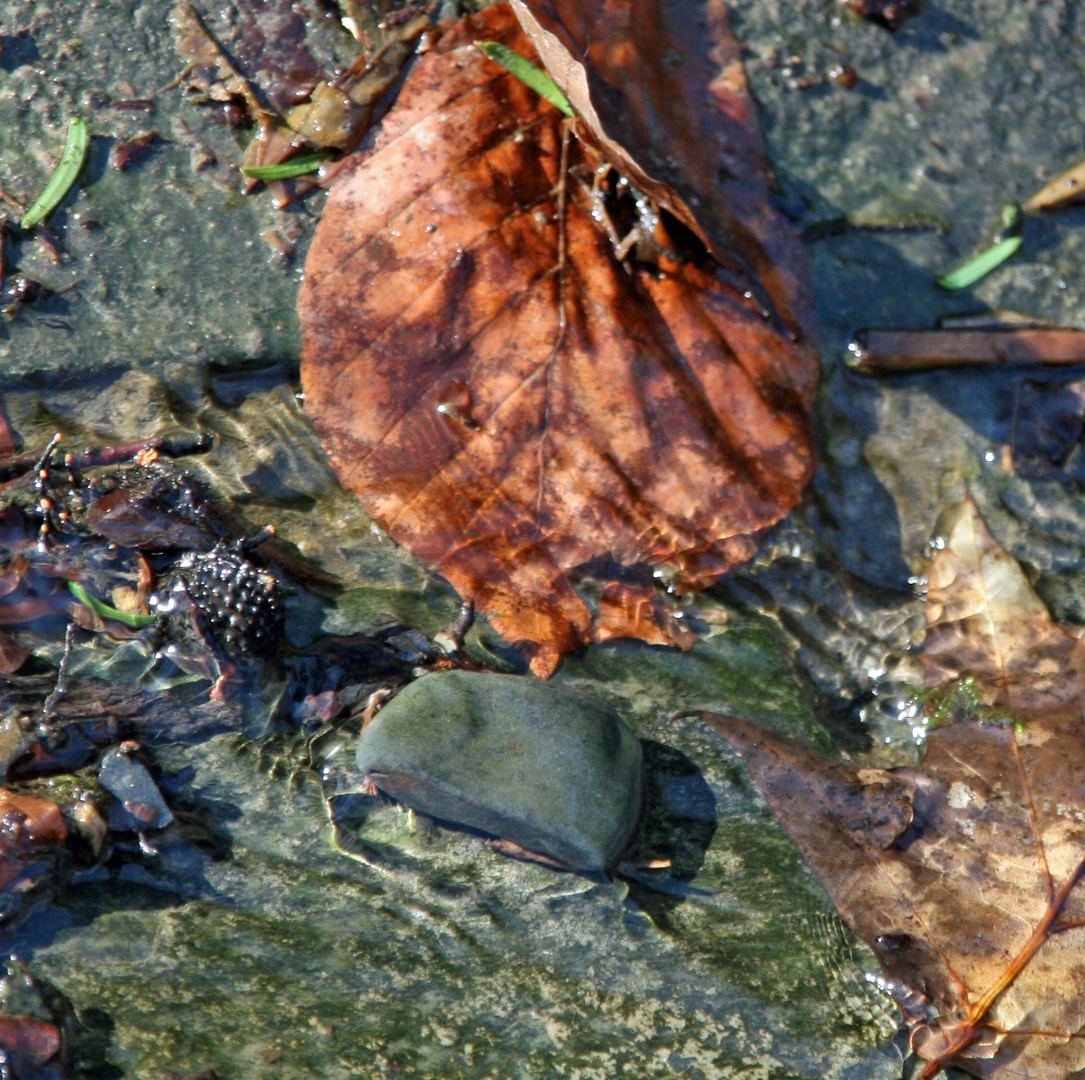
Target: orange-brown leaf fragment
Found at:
x=28, y=827
x=633, y=611
x=512, y=394
x=29, y=1043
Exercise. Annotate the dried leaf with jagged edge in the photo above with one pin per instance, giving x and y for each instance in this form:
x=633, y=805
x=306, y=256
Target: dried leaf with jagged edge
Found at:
x=533, y=361
x=964, y=875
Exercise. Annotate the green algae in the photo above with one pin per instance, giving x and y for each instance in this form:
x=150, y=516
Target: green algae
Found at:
x=466, y=965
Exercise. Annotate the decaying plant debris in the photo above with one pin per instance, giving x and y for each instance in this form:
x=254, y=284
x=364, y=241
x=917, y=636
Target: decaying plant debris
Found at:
x=964, y=874
x=526, y=353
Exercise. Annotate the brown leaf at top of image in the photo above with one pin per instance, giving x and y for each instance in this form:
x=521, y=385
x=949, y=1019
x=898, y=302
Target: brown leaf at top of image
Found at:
x=964, y=875
x=527, y=370
x=660, y=89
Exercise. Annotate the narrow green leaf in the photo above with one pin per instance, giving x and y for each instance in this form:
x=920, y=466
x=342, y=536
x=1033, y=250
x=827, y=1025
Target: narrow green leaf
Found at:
x=1012, y=220
x=970, y=272
x=107, y=612
x=527, y=73
x=71, y=161
x=287, y=170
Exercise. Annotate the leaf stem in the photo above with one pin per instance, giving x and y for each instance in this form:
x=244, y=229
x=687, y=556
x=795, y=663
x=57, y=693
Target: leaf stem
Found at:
x=969, y=1030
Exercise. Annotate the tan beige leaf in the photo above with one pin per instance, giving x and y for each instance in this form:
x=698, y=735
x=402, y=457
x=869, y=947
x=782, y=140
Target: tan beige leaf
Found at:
x=964, y=875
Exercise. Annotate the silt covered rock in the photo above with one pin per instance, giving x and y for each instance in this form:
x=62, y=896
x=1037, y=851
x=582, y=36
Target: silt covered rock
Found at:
x=539, y=765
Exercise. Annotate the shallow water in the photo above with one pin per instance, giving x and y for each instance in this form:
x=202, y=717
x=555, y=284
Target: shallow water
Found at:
x=279, y=946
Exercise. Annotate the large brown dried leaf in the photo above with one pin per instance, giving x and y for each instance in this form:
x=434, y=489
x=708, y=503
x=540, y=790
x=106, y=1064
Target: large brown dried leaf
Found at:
x=510, y=400
x=964, y=875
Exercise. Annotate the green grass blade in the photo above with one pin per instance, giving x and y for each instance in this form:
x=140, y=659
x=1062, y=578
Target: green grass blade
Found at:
x=107, y=612
x=527, y=73
x=71, y=161
x=287, y=170
x=970, y=272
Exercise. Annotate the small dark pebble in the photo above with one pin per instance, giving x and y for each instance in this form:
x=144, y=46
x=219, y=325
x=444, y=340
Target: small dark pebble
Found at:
x=938, y=174
x=126, y=154
x=23, y=290
x=140, y=806
x=892, y=14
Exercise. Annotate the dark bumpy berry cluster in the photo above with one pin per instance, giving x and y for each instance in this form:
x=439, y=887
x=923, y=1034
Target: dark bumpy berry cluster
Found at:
x=239, y=605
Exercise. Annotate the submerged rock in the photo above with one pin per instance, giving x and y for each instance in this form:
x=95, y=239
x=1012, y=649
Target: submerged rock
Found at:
x=33, y=1021
x=139, y=805
x=34, y=857
x=544, y=767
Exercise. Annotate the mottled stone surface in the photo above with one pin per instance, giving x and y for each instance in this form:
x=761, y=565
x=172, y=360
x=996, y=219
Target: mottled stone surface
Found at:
x=549, y=768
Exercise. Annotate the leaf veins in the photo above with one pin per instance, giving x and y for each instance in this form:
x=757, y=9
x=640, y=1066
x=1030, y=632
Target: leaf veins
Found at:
x=530, y=370
x=964, y=874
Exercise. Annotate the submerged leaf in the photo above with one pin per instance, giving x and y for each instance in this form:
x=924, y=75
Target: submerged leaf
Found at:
x=985, y=621
x=526, y=362
x=337, y=113
x=1049, y=430
x=964, y=875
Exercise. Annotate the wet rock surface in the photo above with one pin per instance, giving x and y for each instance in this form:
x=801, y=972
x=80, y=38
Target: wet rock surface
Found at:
x=544, y=767
x=414, y=952
x=35, y=1023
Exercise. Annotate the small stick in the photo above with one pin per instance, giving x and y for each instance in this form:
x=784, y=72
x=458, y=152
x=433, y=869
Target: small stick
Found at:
x=179, y=446
x=53, y=699
x=451, y=639
x=898, y=351
x=266, y=533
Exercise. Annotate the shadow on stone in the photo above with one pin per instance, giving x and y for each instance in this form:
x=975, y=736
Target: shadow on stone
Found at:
x=16, y=50
x=679, y=823
x=91, y=1040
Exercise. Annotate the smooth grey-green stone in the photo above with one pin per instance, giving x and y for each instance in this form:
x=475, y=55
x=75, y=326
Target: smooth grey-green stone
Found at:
x=543, y=766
